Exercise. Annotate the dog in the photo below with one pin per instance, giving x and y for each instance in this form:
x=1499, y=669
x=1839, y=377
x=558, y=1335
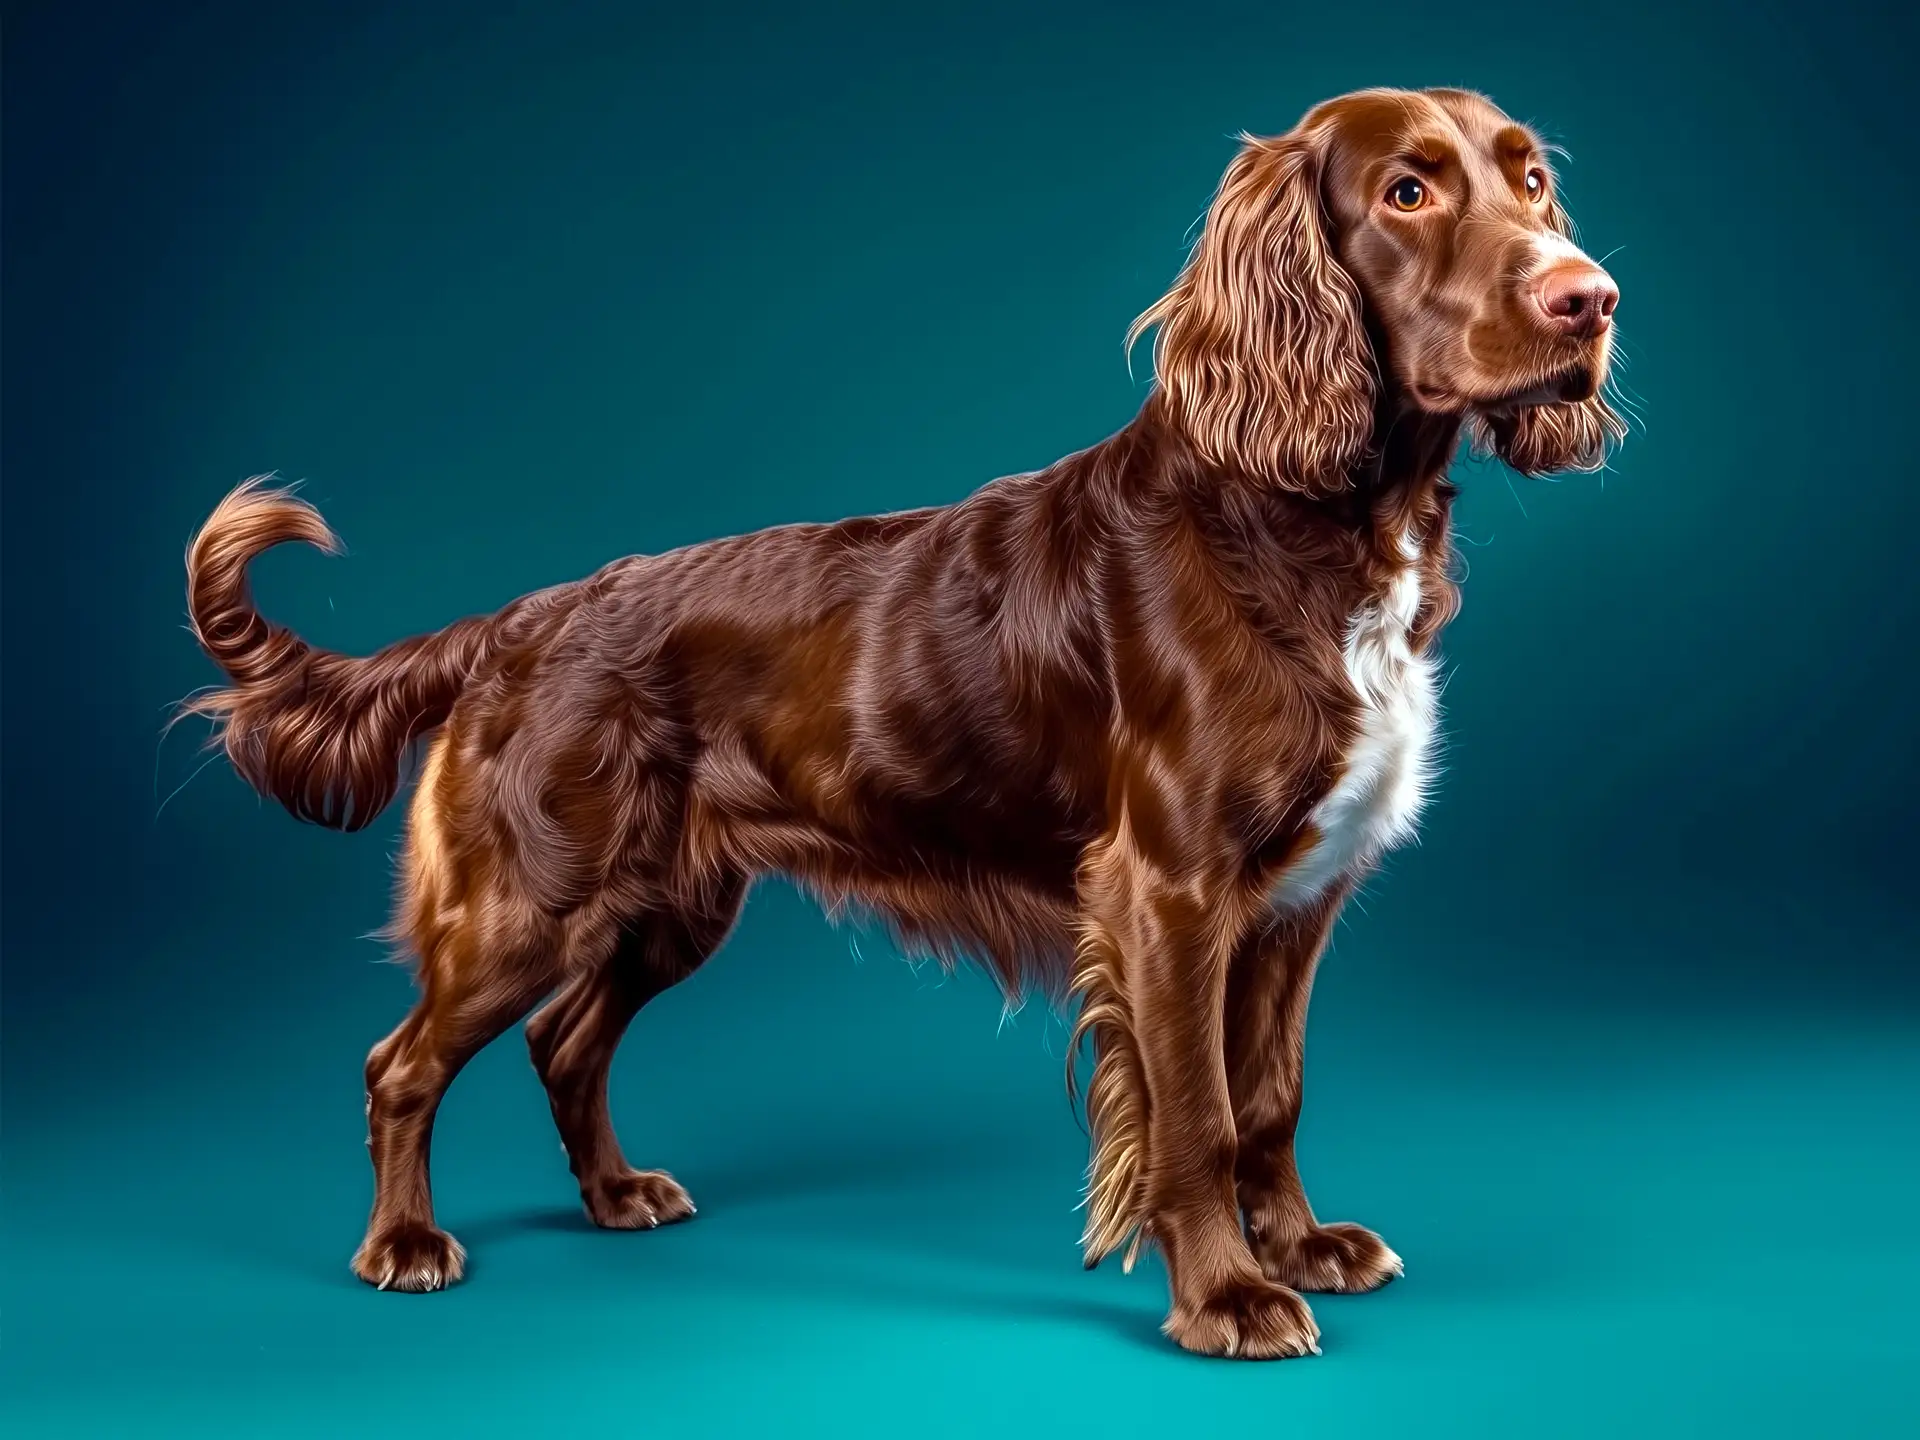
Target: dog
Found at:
x=1127, y=731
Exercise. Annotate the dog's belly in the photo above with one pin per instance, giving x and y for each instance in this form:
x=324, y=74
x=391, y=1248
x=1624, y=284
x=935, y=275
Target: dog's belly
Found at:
x=1377, y=794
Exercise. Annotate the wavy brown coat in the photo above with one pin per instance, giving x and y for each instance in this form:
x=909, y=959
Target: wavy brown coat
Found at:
x=1075, y=727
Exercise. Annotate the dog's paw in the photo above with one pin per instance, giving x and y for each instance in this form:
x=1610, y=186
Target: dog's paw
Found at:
x=1342, y=1259
x=414, y=1258
x=1248, y=1320
x=637, y=1200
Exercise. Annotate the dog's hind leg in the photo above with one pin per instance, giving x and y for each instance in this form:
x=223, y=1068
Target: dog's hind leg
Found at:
x=475, y=987
x=486, y=957
x=572, y=1041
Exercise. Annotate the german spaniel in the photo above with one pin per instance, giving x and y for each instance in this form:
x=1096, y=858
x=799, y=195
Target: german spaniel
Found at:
x=1128, y=730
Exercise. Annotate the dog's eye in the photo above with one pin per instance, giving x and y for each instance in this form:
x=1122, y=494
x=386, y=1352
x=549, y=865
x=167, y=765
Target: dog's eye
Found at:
x=1407, y=194
x=1536, y=185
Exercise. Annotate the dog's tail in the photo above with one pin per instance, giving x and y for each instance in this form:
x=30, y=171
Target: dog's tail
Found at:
x=324, y=734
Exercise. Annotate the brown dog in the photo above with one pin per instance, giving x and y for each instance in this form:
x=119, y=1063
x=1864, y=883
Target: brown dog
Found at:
x=1131, y=728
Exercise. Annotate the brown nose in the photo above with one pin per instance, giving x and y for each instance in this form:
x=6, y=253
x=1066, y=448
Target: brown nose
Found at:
x=1577, y=299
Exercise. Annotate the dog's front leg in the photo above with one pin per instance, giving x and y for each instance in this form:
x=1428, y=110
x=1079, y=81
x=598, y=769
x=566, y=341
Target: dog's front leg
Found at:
x=1154, y=955
x=1267, y=995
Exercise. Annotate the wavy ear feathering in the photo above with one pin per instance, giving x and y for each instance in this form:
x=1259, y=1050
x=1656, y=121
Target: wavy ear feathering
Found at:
x=1552, y=439
x=1260, y=349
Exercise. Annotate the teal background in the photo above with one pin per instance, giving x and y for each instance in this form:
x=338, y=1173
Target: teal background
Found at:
x=1622, y=1057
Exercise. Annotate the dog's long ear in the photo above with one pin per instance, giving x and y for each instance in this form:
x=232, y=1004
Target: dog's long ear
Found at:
x=1552, y=439
x=1260, y=347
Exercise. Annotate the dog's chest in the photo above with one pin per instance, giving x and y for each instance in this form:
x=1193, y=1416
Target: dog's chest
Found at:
x=1383, y=776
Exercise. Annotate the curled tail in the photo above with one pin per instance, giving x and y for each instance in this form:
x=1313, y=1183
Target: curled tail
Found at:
x=323, y=733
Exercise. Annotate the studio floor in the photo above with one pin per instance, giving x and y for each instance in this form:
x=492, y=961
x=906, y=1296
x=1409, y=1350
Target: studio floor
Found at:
x=1699, y=1223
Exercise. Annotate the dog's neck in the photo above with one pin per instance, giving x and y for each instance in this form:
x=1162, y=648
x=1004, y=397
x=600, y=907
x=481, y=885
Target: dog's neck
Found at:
x=1407, y=458
x=1410, y=446
x=1404, y=478
x=1395, y=508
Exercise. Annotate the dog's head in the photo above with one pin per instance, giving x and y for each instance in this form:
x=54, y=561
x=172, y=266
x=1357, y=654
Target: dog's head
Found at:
x=1412, y=240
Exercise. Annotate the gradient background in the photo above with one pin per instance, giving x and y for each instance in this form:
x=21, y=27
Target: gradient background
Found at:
x=1623, y=1058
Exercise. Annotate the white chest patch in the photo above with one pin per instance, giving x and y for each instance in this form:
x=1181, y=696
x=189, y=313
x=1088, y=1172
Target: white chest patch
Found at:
x=1377, y=795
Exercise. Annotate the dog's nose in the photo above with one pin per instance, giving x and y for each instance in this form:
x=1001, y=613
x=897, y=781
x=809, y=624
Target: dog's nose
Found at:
x=1577, y=299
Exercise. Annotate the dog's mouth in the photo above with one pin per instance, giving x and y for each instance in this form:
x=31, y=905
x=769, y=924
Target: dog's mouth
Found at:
x=1566, y=386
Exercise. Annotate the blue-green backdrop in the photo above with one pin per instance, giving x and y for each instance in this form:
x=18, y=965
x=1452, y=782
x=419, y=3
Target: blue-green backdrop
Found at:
x=1623, y=1057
